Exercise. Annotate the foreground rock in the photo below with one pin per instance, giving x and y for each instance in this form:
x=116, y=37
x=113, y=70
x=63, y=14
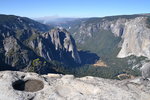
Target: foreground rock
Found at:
x=15, y=86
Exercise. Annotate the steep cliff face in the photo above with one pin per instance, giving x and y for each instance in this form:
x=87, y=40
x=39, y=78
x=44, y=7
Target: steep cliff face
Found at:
x=90, y=26
x=56, y=44
x=136, y=38
x=17, y=54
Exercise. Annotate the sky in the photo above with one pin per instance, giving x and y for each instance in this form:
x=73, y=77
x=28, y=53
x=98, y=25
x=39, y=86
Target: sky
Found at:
x=73, y=8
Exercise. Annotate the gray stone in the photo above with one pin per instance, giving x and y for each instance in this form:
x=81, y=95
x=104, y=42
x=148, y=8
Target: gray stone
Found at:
x=67, y=87
x=145, y=69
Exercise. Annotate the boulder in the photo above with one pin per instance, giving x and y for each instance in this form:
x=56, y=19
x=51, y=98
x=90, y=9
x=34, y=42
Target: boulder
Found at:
x=145, y=69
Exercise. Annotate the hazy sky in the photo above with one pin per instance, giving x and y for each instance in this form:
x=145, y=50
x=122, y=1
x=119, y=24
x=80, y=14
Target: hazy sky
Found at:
x=73, y=8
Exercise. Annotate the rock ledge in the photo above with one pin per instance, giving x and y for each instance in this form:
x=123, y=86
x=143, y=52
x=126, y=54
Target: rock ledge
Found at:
x=67, y=87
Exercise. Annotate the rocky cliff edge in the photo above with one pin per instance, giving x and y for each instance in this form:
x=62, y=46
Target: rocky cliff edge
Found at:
x=31, y=86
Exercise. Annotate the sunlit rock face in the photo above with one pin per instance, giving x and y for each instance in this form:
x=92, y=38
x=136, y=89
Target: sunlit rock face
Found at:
x=136, y=38
x=56, y=44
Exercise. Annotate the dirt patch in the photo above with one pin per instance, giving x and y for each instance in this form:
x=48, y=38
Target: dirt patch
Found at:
x=125, y=76
x=100, y=63
x=28, y=85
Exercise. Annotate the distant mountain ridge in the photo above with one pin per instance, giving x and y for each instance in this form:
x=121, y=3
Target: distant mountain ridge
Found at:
x=54, y=20
x=17, y=22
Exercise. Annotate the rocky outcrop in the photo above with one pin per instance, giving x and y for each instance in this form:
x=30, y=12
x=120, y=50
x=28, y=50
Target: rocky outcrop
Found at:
x=67, y=87
x=16, y=54
x=91, y=26
x=136, y=38
x=145, y=69
x=56, y=44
